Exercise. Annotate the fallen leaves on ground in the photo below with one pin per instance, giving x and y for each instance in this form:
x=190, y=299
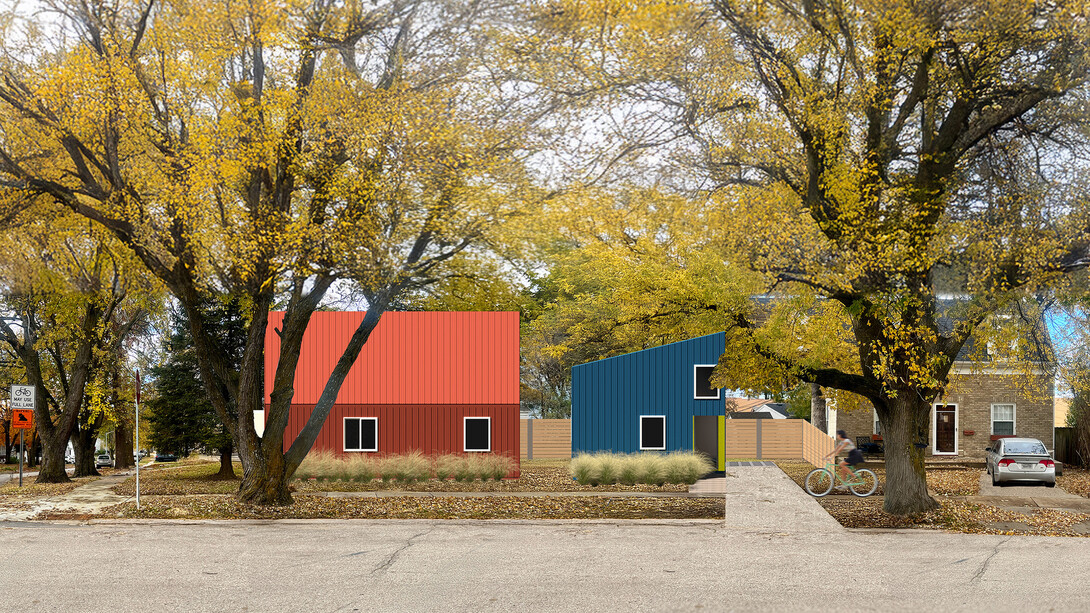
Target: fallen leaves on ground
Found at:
x=30, y=489
x=954, y=480
x=536, y=476
x=956, y=516
x=416, y=507
x=1075, y=481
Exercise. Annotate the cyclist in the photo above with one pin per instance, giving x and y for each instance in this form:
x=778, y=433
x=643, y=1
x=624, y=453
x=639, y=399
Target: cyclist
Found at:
x=853, y=459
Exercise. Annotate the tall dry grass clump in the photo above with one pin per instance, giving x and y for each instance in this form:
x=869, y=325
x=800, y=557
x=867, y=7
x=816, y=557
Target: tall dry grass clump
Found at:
x=582, y=468
x=605, y=468
x=446, y=466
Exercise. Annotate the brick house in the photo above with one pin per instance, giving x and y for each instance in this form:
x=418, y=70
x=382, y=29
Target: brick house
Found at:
x=984, y=401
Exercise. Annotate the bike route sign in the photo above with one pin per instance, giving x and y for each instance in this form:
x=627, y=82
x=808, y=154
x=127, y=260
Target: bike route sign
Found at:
x=22, y=397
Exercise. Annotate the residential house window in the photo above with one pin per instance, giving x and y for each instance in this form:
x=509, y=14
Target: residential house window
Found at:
x=1003, y=419
x=652, y=432
x=478, y=434
x=702, y=385
x=877, y=423
x=361, y=434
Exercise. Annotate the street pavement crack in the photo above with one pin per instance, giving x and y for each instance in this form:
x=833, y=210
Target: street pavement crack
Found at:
x=984, y=566
x=390, y=559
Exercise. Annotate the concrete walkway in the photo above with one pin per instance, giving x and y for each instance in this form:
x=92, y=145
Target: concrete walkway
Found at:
x=85, y=499
x=765, y=499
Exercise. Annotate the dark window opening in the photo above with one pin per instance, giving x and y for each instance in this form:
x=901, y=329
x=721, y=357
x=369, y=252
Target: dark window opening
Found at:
x=478, y=437
x=652, y=432
x=360, y=434
x=703, y=386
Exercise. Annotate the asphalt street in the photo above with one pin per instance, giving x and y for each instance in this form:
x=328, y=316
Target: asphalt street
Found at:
x=528, y=566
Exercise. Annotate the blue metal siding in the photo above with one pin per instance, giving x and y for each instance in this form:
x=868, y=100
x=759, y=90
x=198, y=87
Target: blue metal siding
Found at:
x=608, y=396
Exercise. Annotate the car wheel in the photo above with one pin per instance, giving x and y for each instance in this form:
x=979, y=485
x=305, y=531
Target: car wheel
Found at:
x=1050, y=484
x=995, y=479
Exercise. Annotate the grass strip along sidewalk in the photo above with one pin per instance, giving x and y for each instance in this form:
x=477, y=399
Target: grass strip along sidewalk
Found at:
x=953, y=515
x=189, y=491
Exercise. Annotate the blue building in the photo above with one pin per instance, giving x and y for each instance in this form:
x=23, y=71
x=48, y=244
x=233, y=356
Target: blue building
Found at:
x=658, y=399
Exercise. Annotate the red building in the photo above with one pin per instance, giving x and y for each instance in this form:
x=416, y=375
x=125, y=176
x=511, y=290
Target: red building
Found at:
x=437, y=382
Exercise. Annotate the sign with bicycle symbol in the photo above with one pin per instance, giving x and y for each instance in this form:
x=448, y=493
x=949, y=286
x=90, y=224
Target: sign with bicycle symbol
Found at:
x=22, y=397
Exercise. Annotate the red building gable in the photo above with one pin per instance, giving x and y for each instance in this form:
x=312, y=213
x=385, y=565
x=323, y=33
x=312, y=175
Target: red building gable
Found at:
x=412, y=358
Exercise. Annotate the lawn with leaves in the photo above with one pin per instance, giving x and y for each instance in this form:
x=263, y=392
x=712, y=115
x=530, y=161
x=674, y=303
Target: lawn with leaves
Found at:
x=30, y=489
x=537, y=476
x=954, y=515
x=427, y=507
x=1075, y=481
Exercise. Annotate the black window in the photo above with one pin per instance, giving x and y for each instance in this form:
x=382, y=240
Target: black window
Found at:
x=652, y=432
x=702, y=386
x=478, y=434
x=361, y=434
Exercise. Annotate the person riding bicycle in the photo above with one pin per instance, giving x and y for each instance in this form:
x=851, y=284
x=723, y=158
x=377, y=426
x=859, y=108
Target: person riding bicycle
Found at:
x=854, y=455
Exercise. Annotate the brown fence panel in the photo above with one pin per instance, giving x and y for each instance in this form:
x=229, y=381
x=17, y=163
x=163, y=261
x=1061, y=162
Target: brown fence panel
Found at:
x=776, y=439
x=1066, y=449
x=545, y=438
x=781, y=439
x=741, y=438
x=815, y=444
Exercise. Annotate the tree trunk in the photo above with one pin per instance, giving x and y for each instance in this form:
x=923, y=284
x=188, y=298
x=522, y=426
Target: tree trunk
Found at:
x=817, y=408
x=905, y=422
x=264, y=482
x=227, y=471
x=52, y=468
x=123, y=444
x=83, y=445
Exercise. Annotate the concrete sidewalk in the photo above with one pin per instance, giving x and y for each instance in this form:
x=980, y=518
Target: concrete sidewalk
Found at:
x=85, y=499
x=765, y=499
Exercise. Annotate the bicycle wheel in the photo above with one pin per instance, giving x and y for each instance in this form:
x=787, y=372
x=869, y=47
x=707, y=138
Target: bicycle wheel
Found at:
x=868, y=485
x=819, y=482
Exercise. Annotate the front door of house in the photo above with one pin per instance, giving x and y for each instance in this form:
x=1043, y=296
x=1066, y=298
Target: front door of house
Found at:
x=946, y=428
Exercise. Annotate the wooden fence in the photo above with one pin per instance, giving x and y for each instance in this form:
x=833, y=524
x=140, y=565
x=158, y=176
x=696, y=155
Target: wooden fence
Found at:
x=779, y=439
x=545, y=438
x=1067, y=450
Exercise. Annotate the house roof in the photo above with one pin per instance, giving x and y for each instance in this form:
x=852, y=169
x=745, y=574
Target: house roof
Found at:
x=744, y=405
x=748, y=415
x=411, y=358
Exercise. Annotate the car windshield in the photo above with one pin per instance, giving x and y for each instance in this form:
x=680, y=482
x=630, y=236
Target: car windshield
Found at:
x=1031, y=447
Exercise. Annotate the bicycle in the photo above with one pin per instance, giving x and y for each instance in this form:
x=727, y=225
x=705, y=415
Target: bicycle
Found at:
x=820, y=481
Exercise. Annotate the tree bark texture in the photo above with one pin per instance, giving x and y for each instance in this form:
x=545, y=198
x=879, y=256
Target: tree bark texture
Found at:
x=905, y=425
x=83, y=445
x=817, y=408
x=227, y=471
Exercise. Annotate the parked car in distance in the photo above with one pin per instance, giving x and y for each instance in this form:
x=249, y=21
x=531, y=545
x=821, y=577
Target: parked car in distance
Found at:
x=103, y=460
x=165, y=457
x=1020, y=459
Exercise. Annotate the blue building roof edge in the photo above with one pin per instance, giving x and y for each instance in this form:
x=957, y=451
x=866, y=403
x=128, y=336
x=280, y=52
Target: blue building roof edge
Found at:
x=660, y=347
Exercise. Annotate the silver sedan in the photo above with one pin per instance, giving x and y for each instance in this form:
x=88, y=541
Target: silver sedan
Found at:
x=1020, y=459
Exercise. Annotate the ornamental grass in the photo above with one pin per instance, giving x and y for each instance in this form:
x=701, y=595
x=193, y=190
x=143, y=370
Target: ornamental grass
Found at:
x=605, y=468
x=409, y=467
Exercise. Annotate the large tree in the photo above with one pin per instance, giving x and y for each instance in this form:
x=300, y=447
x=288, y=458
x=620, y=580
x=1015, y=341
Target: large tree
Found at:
x=262, y=151
x=75, y=300
x=863, y=158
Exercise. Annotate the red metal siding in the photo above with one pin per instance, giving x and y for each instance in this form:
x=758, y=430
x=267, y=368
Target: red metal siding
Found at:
x=431, y=429
x=423, y=358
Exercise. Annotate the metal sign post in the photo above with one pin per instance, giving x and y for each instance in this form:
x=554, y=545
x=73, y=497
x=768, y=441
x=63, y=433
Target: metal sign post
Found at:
x=137, y=439
x=22, y=417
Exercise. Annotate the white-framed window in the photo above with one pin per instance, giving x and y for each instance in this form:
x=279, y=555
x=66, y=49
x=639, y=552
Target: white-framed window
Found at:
x=702, y=385
x=361, y=434
x=1003, y=418
x=477, y=434
x=652, y=432
x=877, y=423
